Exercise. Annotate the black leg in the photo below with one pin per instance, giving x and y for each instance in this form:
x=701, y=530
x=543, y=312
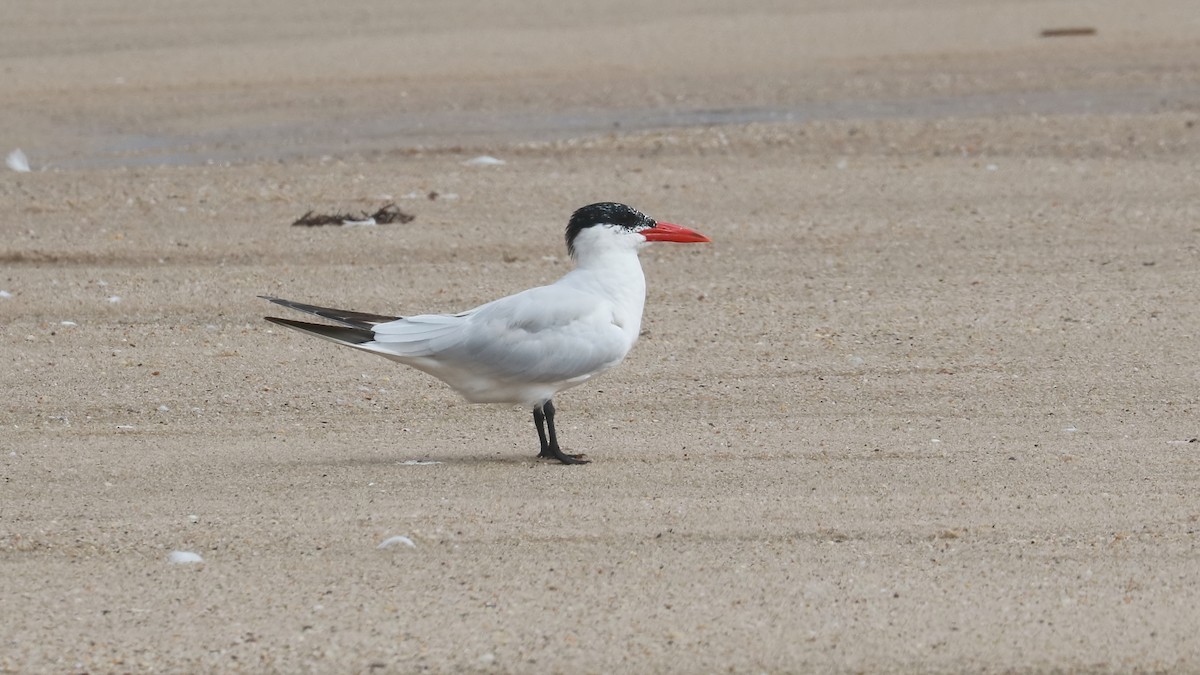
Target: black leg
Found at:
x=539, y=420
x=543, y=418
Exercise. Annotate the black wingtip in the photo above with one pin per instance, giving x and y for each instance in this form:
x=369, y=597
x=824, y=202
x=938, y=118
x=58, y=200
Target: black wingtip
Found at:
x=340, y=334
x=364, y=320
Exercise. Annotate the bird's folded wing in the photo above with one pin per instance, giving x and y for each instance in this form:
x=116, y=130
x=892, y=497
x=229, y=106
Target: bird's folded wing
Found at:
x=546, y=334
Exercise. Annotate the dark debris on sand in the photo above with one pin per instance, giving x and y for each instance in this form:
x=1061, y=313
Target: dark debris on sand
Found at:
x=386, y=215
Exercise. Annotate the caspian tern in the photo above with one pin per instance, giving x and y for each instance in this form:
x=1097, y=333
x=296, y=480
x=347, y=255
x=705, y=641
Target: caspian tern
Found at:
x=527, y=347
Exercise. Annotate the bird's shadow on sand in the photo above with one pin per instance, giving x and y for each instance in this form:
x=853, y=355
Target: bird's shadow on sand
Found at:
x=425, y=461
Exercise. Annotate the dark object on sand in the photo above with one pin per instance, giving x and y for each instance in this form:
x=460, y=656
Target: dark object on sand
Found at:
x=1068, y=32
x=386, y=215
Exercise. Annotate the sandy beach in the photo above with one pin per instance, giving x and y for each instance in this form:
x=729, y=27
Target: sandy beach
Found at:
x=927, y=403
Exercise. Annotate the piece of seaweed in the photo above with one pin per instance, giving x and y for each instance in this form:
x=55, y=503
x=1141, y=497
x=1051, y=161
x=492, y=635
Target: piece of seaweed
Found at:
x=386, y=215
x=1071, y=31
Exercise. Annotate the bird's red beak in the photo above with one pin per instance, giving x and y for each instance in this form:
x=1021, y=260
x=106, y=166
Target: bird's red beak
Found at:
x=672, y=232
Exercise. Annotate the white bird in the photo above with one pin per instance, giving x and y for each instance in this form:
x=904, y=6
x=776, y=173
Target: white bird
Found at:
x=527, y=347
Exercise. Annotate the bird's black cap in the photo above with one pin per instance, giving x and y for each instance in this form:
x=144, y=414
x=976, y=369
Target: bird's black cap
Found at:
x=605, y=213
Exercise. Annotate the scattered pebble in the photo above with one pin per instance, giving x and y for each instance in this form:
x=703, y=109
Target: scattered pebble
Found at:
x=398, y=539
x=17, y=161
x=484, y=160
x=184, y=557
x=163, y=408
